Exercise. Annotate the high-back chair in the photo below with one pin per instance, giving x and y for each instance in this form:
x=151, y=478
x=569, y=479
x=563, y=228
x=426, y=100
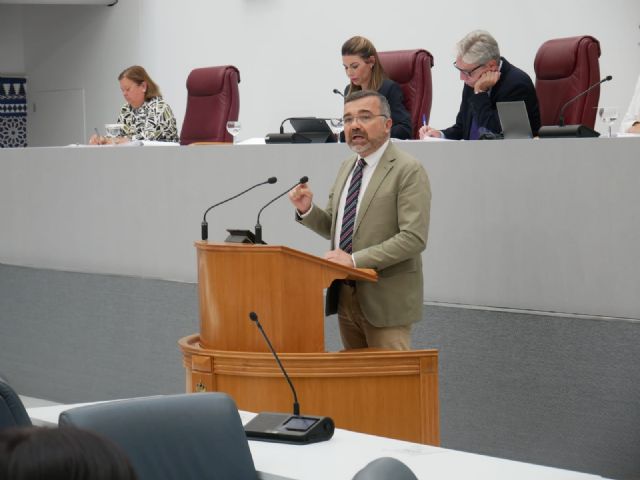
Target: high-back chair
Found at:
x=213, y=99
x=564, y=68
x=12, y=411
x=411, y=69
x=189, y=436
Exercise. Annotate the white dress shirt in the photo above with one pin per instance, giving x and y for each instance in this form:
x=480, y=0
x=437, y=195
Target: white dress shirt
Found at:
x=633, y=113
x=372, y=162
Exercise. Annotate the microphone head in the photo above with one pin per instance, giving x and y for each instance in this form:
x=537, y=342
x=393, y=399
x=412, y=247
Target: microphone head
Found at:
x=253, y=316
x=608, y=77
x=272, y=180
x=304, y=179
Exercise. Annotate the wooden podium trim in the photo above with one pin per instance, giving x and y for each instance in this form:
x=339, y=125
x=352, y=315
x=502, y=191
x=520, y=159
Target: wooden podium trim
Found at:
x=388, y=393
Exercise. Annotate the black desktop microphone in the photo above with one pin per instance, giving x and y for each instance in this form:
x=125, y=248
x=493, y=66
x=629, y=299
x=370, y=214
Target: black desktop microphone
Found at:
x=338, y=92
x=258, y=234
x=280, y=427
x=561, y=116
x=204, y=229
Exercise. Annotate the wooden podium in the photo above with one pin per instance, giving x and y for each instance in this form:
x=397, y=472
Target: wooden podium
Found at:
x=387, y=393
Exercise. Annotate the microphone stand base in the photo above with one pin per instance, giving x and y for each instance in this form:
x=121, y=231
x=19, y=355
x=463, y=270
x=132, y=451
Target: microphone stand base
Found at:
x=567, y=131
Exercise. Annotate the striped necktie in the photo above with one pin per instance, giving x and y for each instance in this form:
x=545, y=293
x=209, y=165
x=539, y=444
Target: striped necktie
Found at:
x=350, y=206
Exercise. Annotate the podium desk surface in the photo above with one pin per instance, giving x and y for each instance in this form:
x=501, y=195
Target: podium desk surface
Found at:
x=347, y=452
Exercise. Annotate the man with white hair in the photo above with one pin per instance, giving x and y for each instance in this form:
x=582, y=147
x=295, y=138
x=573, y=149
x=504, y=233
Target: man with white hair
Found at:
x=488, y=78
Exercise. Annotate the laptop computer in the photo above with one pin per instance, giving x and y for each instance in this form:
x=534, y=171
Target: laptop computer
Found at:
x=514, y=120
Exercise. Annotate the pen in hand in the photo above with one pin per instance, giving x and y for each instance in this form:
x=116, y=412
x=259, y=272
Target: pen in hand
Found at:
x=424, y=120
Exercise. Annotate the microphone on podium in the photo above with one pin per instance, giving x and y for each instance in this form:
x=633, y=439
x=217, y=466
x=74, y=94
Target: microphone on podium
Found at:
x=204, y=228
x=338, y=92
x=283, y=428
x=258, y=231
x=562, y=130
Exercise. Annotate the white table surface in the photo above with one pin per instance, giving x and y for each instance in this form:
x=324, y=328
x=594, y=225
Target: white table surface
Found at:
x=347, y=452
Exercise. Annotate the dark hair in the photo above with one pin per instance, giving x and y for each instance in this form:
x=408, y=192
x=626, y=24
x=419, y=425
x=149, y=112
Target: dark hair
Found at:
x=385, y=109
x=363, y=48
x=138, y=74
x=65, y=453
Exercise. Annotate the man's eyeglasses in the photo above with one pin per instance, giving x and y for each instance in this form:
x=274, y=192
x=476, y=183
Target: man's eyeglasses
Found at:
x=363, y=118
x=468, y=73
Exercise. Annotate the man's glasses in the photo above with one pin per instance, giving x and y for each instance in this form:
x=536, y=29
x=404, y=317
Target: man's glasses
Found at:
x=468, y=73
x=363, y=118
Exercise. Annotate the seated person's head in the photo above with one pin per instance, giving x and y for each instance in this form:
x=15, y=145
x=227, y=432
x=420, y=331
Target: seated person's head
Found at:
x=137, y=86
x=361, y=64
x=37, y=453
x=477, y=53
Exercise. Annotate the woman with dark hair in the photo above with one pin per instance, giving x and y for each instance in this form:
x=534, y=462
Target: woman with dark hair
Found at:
x=66, y=453
x=362, y=66
x=145, y=116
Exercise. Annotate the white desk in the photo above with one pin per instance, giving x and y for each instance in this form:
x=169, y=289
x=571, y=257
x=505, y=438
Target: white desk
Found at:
x=347, y=452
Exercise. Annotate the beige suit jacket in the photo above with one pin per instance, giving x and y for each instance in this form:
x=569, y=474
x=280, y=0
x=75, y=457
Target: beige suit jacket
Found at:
x=390, y=233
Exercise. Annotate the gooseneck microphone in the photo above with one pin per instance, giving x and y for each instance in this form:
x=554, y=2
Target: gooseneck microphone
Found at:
x=561, y=116
x=338, y=92
x=204, y=229
x=296, y=406
x=258, y=233
x=279, y=427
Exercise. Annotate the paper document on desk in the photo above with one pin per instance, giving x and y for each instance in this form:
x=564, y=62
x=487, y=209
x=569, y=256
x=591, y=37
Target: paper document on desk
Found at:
x=253, y=141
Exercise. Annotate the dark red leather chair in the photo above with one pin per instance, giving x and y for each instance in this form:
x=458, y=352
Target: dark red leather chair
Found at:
x=212, y=100
x=411, y=69
x=565, y=67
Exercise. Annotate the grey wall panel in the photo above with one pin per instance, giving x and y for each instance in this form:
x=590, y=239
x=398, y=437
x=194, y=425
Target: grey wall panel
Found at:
x=74, y=337
x=551, y=390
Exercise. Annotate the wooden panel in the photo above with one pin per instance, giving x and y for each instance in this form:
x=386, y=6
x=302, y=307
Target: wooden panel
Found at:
x=283, y=286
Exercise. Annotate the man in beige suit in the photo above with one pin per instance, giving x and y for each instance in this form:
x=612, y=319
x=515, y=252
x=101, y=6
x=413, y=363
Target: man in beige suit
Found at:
x=377, y=217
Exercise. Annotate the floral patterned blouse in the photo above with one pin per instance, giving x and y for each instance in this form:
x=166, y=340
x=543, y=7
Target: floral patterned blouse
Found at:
x=154, y=120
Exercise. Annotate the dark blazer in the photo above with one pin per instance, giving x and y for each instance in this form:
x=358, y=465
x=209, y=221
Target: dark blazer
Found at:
x=514, y=84
x=401, y=127
x=390, y=233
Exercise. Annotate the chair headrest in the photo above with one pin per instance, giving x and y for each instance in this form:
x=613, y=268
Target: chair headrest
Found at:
x=208, y=81
x=401, y=64
x=557, y=58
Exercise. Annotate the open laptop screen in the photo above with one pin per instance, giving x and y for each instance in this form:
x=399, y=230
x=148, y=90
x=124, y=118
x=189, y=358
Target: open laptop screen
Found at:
x=514, y=120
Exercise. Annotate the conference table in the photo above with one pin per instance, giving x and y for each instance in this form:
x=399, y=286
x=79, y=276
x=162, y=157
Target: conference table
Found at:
x=347, y=452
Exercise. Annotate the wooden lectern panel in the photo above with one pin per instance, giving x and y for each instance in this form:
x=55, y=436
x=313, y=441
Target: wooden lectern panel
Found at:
x=283, y=286
x=388, y=393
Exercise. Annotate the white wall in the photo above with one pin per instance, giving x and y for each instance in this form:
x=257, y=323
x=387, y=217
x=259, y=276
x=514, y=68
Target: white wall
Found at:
x=82, y=48
x=288, y=51
x=11, y=41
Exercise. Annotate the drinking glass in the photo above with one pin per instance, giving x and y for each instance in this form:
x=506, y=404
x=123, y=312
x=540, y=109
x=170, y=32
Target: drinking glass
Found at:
x=608, y=115
x=113, y=130
x=234, y=129
x=337, y=125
